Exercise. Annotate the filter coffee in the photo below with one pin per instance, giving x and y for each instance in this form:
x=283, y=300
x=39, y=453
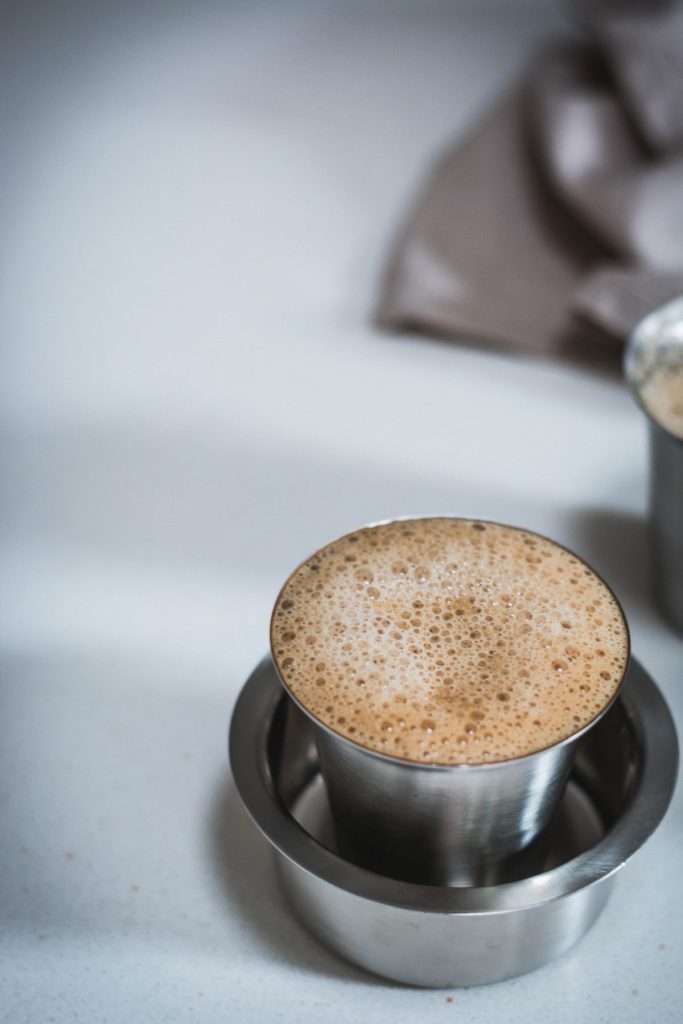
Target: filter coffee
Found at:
x=449, y=641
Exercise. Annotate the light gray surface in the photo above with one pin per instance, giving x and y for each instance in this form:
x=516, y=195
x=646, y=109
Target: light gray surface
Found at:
x=196, y=203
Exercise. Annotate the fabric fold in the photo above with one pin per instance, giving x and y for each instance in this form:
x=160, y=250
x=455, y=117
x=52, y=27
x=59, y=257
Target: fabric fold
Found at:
x=553, y=223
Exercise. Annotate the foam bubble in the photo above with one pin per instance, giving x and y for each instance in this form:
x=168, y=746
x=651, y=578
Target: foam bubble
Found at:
x=449, y=641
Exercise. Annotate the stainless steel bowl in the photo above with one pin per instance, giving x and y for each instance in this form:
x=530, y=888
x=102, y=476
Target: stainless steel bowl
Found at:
x=623, y=778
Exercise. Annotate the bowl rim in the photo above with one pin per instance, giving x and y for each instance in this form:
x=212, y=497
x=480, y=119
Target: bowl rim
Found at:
x=655, y=732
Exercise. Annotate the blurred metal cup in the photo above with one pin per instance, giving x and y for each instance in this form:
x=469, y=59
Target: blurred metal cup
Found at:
x=657, y=342
x=440, y=824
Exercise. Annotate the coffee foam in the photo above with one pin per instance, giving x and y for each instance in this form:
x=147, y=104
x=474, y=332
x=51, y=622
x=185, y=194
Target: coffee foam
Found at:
x=662, y=395
x=449, y=641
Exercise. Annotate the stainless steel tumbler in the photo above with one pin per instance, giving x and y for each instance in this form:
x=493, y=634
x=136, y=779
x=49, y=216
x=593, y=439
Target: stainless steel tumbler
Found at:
x=439, y=824
x=658, y=341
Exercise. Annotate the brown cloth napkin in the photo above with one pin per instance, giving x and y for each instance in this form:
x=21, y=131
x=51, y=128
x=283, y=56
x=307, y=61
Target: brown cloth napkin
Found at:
x=559, y=221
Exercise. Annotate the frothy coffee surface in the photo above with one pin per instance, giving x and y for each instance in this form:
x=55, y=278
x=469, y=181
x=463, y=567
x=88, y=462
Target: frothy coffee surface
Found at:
x=662, y=395
x=449, y=641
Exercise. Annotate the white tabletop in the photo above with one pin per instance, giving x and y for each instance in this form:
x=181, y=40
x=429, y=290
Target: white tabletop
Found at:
x=198, y=199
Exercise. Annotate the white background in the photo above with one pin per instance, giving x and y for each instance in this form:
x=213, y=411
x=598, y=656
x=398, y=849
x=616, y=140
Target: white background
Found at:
x=197, y=202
